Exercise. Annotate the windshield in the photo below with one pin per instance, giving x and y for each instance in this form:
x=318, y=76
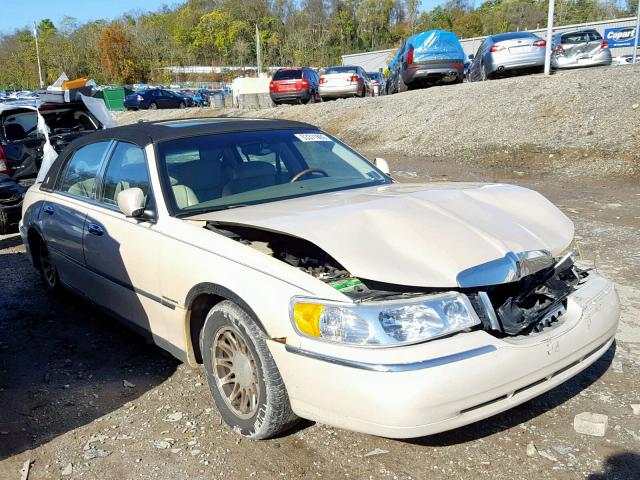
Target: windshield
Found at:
x=216, y=172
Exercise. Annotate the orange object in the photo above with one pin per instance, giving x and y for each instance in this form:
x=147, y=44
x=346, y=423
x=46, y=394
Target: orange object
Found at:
x=77, y=83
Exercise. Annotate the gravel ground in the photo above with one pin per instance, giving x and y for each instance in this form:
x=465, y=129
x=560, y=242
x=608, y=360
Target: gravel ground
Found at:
x=83, y=397
x=586, y=119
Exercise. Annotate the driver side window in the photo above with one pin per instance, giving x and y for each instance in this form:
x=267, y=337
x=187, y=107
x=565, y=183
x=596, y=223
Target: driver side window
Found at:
x=127, y=169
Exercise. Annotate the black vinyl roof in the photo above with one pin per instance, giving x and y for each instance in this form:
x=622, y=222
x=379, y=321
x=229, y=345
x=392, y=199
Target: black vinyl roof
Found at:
x=145, y=133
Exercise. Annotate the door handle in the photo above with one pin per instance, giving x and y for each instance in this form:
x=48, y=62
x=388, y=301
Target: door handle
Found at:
x=95, y=229
x=48, y=209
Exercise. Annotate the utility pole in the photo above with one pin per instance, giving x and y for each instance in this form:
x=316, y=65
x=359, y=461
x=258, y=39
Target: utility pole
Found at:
x=547, y=51
x=35, y=35
x=258, y=52
x=636, y=35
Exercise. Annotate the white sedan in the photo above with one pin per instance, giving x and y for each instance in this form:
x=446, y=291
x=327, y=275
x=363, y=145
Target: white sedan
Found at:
x=310, y=284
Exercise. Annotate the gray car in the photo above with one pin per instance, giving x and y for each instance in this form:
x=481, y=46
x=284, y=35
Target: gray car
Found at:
x=582, y=48
x=507, y=52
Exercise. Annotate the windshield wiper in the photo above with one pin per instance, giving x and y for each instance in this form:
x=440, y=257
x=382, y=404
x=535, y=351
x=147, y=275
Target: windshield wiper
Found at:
x=200, y=211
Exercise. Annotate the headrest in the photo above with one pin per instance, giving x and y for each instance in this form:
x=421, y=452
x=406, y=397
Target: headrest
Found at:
x=253, y=169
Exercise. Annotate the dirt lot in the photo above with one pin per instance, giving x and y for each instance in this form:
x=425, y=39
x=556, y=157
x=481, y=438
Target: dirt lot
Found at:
x=72, y=379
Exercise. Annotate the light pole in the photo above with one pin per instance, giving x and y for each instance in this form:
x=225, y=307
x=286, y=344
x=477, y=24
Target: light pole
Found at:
x=547, y=50
x=35, y=35
x=635, y=36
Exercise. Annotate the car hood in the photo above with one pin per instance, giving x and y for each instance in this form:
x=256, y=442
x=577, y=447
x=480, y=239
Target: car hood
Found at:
x=415, y=234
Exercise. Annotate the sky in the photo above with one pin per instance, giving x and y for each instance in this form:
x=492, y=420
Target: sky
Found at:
x=19, y=13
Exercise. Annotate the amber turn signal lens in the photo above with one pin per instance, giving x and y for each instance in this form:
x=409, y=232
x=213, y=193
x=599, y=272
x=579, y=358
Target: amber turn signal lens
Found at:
x=307, y=318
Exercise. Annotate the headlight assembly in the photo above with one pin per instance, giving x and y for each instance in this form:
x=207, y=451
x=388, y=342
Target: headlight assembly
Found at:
x=384, y=323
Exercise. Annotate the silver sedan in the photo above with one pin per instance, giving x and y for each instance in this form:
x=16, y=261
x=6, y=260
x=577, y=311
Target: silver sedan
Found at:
x=506, y=52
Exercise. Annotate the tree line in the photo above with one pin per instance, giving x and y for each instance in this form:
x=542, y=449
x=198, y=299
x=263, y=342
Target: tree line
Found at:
x=134, y=47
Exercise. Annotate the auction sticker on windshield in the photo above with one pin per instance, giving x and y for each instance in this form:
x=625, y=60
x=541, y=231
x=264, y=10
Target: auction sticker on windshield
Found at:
x=312, y=137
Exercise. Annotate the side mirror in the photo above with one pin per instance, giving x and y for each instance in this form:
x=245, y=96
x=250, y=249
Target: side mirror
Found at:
x=131, y=202
x=382, y=165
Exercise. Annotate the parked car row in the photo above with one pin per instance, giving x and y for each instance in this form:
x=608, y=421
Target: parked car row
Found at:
x=305, y=85
x=436, y=57
x=524, y=51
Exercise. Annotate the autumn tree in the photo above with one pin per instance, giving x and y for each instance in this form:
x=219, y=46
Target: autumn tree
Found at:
x=117, y=54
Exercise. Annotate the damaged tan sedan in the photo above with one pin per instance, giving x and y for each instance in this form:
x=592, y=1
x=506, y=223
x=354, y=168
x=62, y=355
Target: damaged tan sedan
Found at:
x=312, y=285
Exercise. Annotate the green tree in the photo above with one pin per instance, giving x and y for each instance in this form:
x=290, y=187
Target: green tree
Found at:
x=216, y=33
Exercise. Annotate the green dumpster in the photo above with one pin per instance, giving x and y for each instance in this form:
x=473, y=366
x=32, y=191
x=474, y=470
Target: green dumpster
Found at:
x=113, y=98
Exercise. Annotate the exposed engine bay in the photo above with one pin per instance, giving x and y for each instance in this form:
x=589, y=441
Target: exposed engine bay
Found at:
x=529, y=305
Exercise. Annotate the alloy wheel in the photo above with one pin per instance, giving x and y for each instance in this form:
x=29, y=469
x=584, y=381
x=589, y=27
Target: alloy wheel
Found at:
x=48, y=268
x=236, y=372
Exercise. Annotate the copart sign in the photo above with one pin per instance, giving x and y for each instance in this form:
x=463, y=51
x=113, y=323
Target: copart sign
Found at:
x=620, y=36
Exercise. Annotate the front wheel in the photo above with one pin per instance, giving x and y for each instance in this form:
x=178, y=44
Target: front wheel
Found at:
x=153, y=106
x=182, y=105
x=243, y=378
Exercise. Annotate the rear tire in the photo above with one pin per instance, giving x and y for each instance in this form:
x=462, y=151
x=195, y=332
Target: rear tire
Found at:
x=48, y=271
x=402, y=87
x=483, y=74
x=243, y=378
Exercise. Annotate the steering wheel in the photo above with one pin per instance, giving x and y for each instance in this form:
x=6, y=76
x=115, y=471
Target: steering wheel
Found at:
x=306, y=171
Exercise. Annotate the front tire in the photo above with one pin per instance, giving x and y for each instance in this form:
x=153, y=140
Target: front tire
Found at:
x=153, y=106
x=5, y=226
x=243, y=378
x=182, y=105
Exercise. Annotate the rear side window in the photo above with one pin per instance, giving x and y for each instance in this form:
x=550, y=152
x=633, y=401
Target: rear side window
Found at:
x=79, y=174
x=594, y=36
x=127, y=169
x=20, y=126
x=288, y=75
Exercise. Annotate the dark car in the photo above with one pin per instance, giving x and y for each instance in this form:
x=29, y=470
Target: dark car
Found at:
x=294, y=85
x=155, y=98
x=429, y=58
x=21, y=144
x=378, y=83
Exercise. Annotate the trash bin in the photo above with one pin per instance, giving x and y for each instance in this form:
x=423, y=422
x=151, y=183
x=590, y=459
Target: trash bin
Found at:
x=113, y=98
x=218, y=100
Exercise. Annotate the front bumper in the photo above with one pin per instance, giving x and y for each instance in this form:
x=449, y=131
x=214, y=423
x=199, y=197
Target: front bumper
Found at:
x=423, y=389
x=11, y=196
